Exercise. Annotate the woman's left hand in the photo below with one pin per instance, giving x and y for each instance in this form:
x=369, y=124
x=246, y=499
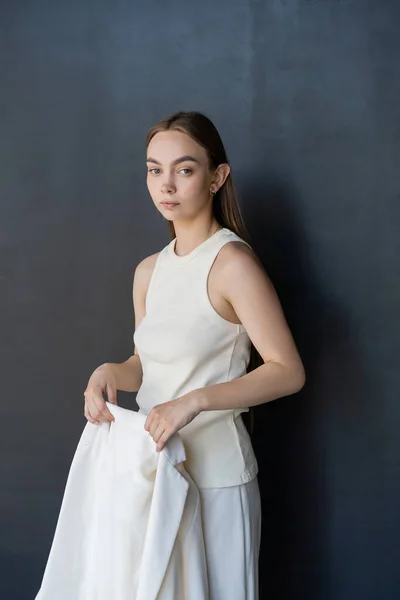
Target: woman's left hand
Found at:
x=169, y=417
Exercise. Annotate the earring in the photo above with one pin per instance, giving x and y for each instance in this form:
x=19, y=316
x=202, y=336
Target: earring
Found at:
x=213, y=192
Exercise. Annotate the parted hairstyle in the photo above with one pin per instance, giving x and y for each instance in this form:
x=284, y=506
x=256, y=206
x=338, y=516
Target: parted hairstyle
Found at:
x=225, y=202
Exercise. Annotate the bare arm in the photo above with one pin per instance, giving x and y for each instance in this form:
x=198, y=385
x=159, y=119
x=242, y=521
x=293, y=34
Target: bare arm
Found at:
x=128, y=375
x=251, y=293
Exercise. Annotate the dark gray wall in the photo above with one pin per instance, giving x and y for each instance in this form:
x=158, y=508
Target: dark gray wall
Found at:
x=306, y=95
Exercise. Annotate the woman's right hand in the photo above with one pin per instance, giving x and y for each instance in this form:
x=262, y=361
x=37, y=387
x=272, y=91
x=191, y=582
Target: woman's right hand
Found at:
x=102, y=381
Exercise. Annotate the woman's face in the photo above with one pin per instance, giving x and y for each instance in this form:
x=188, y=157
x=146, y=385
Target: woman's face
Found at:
x=178, y=172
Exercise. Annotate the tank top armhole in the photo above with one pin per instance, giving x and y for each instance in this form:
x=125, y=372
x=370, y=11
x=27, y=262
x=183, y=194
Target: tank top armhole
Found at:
x=219, y=319
x=152, y=279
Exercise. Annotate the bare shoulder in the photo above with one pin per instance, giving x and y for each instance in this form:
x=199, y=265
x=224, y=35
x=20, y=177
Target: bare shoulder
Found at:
x=146, y=266
x=236, y=257
x=239, y=272
x=144, y=271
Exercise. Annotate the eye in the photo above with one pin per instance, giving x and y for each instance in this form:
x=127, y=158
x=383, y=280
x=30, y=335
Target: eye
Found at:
x=154, y=169
x=185, y=169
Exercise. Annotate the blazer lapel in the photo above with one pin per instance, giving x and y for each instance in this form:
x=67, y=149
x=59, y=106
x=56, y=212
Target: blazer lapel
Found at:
x=167, y=506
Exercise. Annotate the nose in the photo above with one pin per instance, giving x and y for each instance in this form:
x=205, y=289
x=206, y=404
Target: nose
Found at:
x=168, y=186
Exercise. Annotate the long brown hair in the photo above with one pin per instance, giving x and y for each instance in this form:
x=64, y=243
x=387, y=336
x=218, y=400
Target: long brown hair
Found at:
x=225, y=202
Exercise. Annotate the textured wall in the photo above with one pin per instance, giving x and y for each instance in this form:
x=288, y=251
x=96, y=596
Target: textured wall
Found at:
x=305, y=94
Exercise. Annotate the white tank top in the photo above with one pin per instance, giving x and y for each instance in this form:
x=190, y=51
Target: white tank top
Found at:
x=183, y=345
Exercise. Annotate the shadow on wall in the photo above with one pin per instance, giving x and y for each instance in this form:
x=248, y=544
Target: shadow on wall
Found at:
x=291, y=434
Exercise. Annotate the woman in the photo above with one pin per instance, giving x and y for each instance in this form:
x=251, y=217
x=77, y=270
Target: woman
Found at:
x=203, y=307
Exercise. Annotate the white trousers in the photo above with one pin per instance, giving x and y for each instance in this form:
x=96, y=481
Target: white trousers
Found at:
x=232, y=533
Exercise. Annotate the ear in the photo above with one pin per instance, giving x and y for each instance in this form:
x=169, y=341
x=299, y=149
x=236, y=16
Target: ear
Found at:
x=221, y=173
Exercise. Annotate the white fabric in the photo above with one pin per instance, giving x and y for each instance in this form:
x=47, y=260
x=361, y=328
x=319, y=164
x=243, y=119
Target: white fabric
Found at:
x=231, y=519
x=130, y=523
x=184, y=344
x=182, y=524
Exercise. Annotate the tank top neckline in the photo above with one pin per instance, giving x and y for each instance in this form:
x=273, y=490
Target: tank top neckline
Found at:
x=186, y=257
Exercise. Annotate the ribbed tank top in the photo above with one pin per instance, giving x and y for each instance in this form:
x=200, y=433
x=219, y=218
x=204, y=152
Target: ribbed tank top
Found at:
x=183, y=345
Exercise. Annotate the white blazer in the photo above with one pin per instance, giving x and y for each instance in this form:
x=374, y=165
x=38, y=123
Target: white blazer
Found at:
x=129, y=526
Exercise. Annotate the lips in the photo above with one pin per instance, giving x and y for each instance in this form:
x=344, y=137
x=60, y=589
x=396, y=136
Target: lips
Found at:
x=166, y=203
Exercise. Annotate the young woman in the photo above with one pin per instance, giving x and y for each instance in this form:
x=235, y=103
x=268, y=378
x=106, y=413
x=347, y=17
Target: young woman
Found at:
x=204, y=311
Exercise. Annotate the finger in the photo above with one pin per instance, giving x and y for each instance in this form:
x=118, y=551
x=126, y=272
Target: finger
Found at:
x=108, y=416
x=158, y=433
x=93, y=408
x=101, y=412
x=148, y=420
x=95, y=420
x=111, y=394
x=163, y=439
x=154, y=425
x=89, y=417
x=154, y=415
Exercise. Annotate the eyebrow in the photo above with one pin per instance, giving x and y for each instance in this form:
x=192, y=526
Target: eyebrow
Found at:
x=176, y=161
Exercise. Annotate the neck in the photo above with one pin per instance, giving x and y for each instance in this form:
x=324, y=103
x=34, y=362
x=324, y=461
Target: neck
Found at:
x=189, y=237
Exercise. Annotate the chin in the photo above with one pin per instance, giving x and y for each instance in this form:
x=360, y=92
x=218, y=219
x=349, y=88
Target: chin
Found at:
x=166, y=214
